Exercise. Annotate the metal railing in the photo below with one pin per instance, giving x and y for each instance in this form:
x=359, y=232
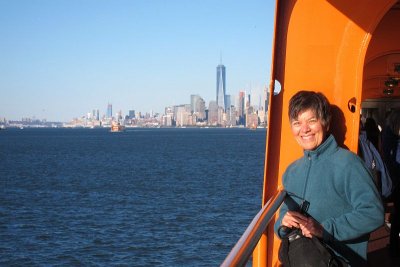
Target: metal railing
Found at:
x=241, y=252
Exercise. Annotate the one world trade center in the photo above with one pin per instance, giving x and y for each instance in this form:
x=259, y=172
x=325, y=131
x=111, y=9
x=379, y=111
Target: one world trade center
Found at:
x=221, y=84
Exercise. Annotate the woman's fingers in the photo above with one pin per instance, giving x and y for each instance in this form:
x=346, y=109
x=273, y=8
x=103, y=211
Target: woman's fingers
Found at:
x=293, y=219
x=312, y=228
x=308, y=226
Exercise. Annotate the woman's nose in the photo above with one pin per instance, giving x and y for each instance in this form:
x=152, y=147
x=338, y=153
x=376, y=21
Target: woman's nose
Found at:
x=305, y=127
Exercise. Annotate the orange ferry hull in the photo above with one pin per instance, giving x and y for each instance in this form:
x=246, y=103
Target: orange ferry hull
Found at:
x=340, y=48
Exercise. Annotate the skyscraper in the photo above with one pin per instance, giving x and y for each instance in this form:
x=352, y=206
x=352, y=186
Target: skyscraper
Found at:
x=241, y=108
x=221, y=86
x=109, y=110
x=213, y=113
x=131, y=114
x=228, y=102
x=193, y=101
x=198, y=106
x=201, y=109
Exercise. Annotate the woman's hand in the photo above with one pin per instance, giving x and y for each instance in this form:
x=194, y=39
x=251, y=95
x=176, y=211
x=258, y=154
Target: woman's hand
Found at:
x=311, y=228
x=293, y=219
x=308, y=226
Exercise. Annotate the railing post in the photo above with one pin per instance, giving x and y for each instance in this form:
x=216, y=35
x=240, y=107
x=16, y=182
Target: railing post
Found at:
x=260, y=252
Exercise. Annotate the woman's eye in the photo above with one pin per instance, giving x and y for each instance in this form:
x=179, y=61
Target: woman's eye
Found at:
x=295, y=123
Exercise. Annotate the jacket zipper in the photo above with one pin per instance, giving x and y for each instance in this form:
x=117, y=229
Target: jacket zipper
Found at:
x=306, y=181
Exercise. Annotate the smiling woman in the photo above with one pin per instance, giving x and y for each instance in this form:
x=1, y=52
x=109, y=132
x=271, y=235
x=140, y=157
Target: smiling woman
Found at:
x=308, y=130
x=333, y=182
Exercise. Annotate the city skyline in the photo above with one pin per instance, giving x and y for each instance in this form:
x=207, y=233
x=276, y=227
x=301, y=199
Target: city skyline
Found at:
x=223, y=111
x=110, y=110
x=62, y=59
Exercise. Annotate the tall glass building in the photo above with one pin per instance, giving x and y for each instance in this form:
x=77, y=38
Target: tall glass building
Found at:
x=241, y=108
x=221, y=86
x=109, y=110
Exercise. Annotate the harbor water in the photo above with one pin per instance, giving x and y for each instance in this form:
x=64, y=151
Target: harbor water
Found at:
x=142, y=197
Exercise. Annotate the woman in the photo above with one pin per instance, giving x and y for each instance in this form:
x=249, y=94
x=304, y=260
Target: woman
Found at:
x=332, y=195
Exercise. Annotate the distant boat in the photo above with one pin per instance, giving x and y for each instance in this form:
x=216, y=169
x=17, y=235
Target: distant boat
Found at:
x=253, y=127
x=117, y=127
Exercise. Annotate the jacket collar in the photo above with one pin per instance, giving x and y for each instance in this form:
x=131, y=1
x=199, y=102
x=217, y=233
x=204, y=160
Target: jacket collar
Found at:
x=326, y=148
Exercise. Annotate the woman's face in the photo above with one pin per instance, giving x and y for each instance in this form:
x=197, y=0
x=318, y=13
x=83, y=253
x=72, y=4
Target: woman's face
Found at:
x=308, y=130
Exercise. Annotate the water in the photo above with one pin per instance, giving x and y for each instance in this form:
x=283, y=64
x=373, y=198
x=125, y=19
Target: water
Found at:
x=170, y=197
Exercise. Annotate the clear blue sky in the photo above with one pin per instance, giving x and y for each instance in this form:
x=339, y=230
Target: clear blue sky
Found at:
x=60, y=59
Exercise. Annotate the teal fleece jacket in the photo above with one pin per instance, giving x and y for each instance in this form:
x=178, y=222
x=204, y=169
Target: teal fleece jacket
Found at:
x=341, y=195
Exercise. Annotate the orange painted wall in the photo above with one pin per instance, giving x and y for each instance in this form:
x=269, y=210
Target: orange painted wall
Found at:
x=319, y=45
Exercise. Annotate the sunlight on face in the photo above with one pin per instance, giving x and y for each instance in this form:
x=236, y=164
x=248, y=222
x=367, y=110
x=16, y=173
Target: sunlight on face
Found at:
x=308, y=130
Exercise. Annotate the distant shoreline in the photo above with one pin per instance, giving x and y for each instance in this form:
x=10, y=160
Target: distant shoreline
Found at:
x=22, y=127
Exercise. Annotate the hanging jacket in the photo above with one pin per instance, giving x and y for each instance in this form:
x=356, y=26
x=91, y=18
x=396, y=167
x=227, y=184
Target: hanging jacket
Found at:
x=373, y=160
